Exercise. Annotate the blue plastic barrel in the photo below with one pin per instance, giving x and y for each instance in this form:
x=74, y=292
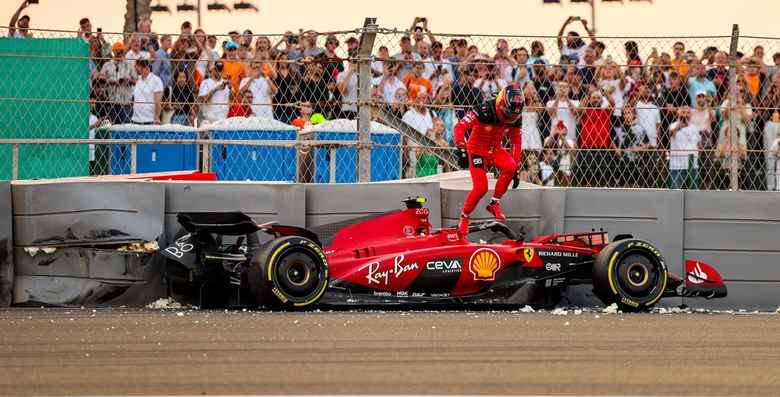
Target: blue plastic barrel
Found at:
x=385, y=161
x=154, y=157
x=249, y=162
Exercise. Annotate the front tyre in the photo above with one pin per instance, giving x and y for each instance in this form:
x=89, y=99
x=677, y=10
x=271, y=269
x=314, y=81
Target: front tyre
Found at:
x=288, y=273
x=631, y=273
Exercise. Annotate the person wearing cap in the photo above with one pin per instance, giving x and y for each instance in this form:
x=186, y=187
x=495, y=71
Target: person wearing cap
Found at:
x=333, y=64
x=234, y=68
x=120, y=76
x=19, y=27
x=703, y=116
x=214, y=94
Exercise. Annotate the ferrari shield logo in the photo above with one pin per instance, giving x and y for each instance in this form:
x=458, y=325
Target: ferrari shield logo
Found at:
x=528, y=253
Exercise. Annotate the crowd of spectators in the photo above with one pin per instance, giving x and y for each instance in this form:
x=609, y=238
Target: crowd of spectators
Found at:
x=590, y=118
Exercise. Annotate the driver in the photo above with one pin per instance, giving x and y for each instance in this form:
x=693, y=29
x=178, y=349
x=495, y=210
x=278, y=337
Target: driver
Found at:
x=489, y=123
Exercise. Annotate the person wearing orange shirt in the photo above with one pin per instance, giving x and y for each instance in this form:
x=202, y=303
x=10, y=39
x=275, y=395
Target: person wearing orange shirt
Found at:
x=415, y=83
x=679, y=61
x=234, y=68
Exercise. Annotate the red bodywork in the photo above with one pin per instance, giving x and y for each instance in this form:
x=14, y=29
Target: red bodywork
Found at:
x=391, y=252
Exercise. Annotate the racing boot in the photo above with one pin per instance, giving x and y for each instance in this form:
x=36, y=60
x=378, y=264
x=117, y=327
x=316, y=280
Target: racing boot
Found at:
x=463, y=225
x=495, y=208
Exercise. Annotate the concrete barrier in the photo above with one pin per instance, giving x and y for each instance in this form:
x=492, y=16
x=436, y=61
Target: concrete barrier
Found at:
x=737, y=232
x=6, y=245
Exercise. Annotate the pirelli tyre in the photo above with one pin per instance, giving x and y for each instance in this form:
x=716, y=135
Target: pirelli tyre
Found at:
x=631, y=273
x=288, y=273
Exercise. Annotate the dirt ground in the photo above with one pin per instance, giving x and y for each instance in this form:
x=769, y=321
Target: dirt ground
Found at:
x=81, y=352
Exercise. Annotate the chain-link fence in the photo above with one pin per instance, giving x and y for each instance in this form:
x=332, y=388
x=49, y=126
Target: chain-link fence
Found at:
x=378, y=104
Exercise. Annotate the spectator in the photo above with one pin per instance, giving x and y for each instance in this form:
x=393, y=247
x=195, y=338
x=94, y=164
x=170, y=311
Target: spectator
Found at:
x=445, y=111
x=708, y=56
x=415, y=82
x=698, y=82
x=96, y=61
x=85, y=29
x=313, y=88
x=588, y=67
x=234, y=69
x=20, y=27
x=333, y=64
x=599, y=48
x=136, y=51
x=702, y=117
x=672, y=100
x=180, y=100
x=679, y=61
x=348, y=85
x=183, y=59
x=440, y=69
x=725, y=155
x=683, y=155
x=309, y=41
x=398, y=107
x=286, y=95
x=305, y=112
x=120, y=75
x=162, y=61
x=406, y=57
x=389, y=83
x=719, y=75
x=595, y=164
x=243, y=108
x=544, y=86
x=464, y=95
x=147, y=95
x=613, y=84
x=574, y=47
x=214, y=94
x=532, y=137
x=490, y=82
x=291, y=42
x=537, y=53
x=743, y=116
x=648, y=116
x=755, y=80
x=562, y=147
x=377, y=65
x=633, y=141
x=420, y=118
x=247, y=38
x=419, y=32
x=519, y=70
x=772, y=70
x=561, y=108
x=427, y=161
x=632, y=53
x=332, y=107
x=207, y=56
x=770, y=116
x=501, y=58
x=262, y=89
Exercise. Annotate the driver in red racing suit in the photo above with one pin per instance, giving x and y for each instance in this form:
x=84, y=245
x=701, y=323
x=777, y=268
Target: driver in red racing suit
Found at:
x=489, y=123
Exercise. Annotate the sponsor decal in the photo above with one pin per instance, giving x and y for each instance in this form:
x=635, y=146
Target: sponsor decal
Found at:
x=452, y=237
x=555, y=281
x=697, y=276
x=477, y=161
x=552, y=267
x=375, y=276
x=484, y=263
x=440, y=295
x=445, y=265
x=629, y=302
x=421, y=211
x=564, y=254
x=382, y=293
x=180, y=247
x=528, y=254
x=418, y=294
x=408, y=230
x=279, y=295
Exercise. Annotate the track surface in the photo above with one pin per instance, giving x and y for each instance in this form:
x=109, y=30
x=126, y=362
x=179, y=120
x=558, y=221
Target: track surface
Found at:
x=60, y=352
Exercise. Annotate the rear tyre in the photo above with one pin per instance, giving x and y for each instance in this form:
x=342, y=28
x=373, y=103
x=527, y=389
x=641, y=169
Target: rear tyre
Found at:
x=631, y=273
x=288, y=273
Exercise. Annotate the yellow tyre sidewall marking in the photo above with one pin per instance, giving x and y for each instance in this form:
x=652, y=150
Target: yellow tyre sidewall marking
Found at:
x=273, y=256
x=609, y=272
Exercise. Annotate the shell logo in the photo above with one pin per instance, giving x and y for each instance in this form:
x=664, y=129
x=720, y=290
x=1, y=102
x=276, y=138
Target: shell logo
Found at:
x=484, y=263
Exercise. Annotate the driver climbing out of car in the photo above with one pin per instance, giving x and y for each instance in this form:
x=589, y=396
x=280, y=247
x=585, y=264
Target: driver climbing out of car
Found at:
x=489, y=123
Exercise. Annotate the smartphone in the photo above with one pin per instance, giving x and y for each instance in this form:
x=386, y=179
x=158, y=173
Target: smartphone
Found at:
x=575, y=19
x=99, y=30
x=32, y=1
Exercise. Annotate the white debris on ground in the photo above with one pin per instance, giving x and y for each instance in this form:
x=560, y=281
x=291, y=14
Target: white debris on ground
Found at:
x=165, y=303
x=778, y=310
x=577, y=312
x=611, y=309
x=529, y=309
x=559, y=312
x=32, y=251
x=147, y=247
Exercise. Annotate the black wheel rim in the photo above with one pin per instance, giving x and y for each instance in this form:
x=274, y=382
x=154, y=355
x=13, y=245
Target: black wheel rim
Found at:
x=297, y=274
x=638, y=276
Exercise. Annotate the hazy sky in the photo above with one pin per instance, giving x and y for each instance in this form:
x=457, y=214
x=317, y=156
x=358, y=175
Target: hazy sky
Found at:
x=661, y=17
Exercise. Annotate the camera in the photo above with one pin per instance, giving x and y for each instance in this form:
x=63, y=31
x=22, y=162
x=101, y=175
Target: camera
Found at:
x=293, y=39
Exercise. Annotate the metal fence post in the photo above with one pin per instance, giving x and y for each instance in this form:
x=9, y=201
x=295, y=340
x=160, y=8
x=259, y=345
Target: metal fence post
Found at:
x=734, y=178
x=364, y=99
x=15, y=161
x=133, y=158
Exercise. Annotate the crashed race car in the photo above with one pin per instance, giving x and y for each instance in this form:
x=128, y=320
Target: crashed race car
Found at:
x=399, y=259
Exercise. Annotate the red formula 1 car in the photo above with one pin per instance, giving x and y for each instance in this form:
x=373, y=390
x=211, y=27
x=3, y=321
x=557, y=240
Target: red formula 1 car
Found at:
x=397, y=258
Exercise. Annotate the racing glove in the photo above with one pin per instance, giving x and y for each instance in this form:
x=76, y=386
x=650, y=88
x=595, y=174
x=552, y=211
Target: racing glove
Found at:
x=516, y=179
x=463, y=159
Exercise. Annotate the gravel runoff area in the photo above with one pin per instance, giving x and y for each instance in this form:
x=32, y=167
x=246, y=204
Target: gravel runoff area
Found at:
x=575, y=351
